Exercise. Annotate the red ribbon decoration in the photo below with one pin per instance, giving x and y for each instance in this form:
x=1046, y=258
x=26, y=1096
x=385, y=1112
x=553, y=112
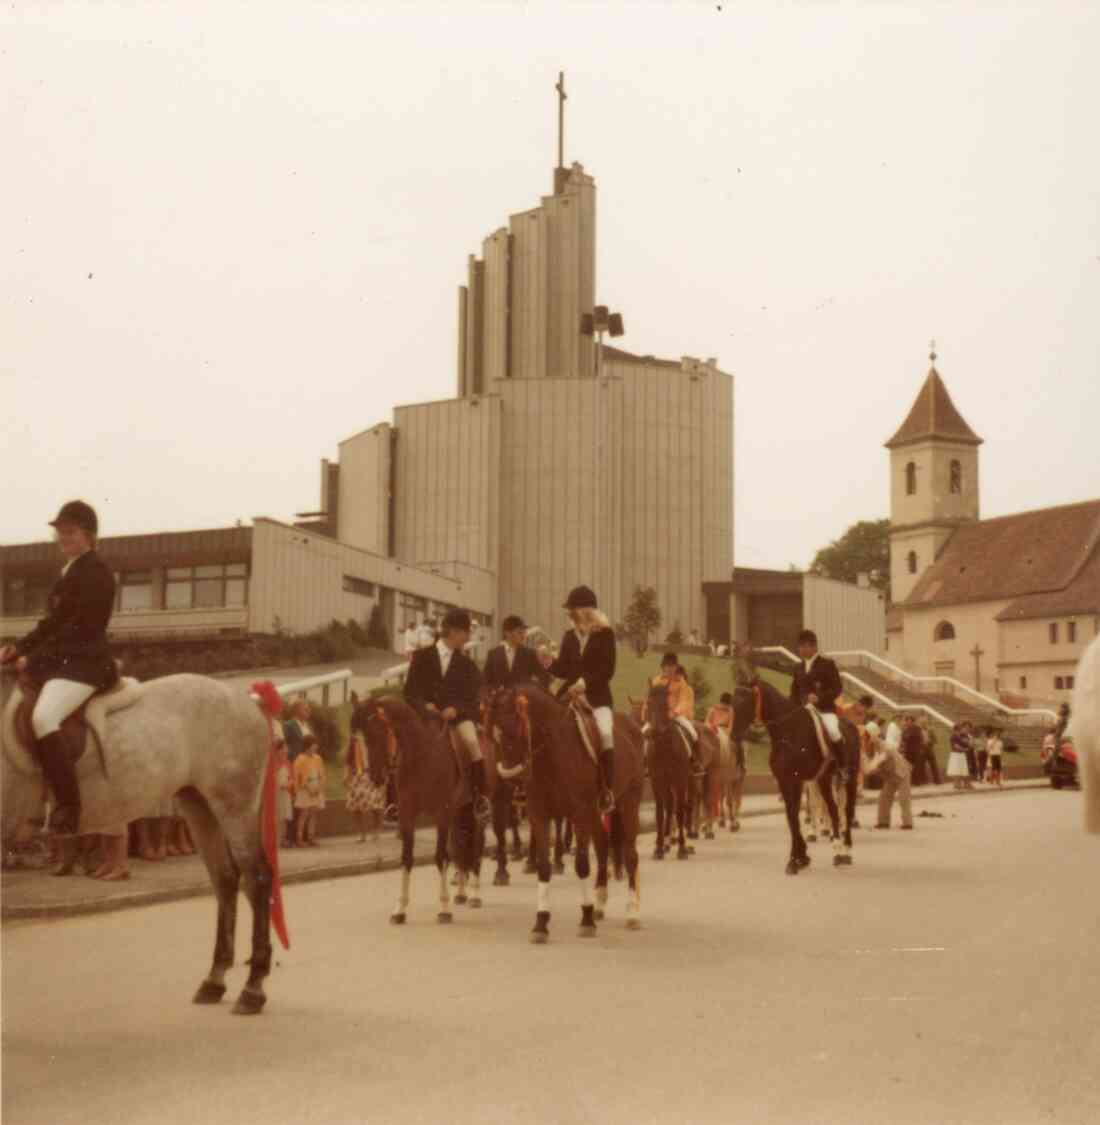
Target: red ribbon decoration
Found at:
x=271, y=704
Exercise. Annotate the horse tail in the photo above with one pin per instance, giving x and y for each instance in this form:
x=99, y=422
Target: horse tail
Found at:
x=615, y=841
x=271, y=705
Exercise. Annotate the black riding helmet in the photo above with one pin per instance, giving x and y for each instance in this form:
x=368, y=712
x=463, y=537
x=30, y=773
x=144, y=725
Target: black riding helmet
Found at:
x=581, y=597
x=79, y=513
x=457, y=619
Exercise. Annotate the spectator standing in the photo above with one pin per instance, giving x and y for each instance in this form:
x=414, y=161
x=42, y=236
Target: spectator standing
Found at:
x=971, y=752
x=928, y=733
x=309, y=791
x=296, y=730
x=981, y=751
x=958, y=768
x=912, y=747
x=1063, y=722
x=425, y=635
x=892, y=737
x=365, y=800
x=996, y=748
x=410, y=644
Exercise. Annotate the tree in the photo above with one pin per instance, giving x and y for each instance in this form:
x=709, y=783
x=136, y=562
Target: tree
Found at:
x=378, y=636
x=863, y=549
x=675, y=636
x=643, y=616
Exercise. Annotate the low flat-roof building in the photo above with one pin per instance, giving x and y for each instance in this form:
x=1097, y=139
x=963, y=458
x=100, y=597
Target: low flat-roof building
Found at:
x=236, y=581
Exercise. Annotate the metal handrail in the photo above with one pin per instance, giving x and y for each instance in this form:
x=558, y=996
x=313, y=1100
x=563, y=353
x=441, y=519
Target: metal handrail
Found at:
x=322, y=681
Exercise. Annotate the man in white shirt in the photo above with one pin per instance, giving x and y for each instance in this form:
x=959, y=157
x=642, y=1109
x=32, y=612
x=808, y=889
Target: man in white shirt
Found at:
x=887, y=760
x=425, y=635
x=410, y=640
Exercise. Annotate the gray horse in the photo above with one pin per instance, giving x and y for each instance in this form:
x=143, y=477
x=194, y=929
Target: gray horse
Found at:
x=200, y=741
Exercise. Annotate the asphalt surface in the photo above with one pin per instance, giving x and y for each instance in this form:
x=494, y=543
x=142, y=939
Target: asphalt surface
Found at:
x=950, y=975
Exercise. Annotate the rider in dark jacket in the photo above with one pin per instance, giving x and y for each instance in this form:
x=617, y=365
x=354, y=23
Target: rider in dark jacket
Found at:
x=67, y=653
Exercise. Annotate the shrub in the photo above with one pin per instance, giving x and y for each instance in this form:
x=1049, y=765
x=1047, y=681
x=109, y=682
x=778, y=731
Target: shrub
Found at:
x=697, y=678
x=358, y=634
x=378, y=636
x=325, y=724
x=676, y=636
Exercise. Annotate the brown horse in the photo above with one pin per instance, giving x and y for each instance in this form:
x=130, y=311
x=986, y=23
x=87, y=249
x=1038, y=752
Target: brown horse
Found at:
x=560, y=774
x=419, y=757
x=669, y=772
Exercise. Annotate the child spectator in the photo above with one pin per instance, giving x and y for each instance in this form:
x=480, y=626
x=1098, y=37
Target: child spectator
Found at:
x=309, y=791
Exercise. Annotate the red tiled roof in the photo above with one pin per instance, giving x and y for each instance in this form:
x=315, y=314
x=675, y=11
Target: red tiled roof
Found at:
x=933, y=414
x=1082, y=596
x=1040, y=552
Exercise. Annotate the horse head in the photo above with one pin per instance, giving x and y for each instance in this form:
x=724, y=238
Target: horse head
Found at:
x=657, y=707
x=380, y=737
x=744, y=709
x=508, y=712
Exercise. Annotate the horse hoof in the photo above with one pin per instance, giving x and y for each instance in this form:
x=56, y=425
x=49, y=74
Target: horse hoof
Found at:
x=803, y=861
x=683, y=853
x=735, y=826
x=843, y=861
x=618, y=874
x=475, y=903
x=518, y=853
x=693, y=835
x=538, y=937
x=500, y=879
x=793, y=868
x=444, y=917
x=249, y=1003
x=208, y=993
x=633, y=923
x=722, y=823
x=528, y=868
x=838, y=861
x=690, y=850
x=461, y=900
x=708, y=835
x=559, y=867
x=397, y=919
x=586, y=931
x=597, y=914
x=658, y=853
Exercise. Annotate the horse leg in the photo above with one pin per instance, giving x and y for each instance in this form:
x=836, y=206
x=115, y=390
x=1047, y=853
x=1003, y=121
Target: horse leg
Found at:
x=600, y=843
x=587, y=927
x=398, y=915
x=559, y=845
x=659, y=844
x=791, y=791
x=825, y=788
x=442, y=861
x=502, y=805
x=256, y=878
x=628, y=809
x=540, y=934
x=211, y=844
x=518, y=851
x=463, y=840
x=683, y=817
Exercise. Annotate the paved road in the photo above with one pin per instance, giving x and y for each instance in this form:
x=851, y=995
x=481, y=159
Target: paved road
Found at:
x=940, y=979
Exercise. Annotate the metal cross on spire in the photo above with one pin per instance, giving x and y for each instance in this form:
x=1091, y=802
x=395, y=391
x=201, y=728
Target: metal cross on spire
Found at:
x=560, y=87
x=932, y=350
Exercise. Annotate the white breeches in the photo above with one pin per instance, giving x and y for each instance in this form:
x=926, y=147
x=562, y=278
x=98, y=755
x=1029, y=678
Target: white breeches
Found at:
x=57, y=701
x=605, y=724
x=467, y=734
x=831, y=723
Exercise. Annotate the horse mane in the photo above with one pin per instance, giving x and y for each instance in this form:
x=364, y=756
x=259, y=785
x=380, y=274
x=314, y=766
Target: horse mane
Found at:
x=405, y=720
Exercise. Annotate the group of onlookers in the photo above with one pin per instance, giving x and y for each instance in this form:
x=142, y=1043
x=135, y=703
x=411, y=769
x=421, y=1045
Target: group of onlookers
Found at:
x=977, y=754
x=300, y=777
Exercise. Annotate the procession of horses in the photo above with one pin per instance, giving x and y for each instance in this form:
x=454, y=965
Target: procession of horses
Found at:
x=575, y=766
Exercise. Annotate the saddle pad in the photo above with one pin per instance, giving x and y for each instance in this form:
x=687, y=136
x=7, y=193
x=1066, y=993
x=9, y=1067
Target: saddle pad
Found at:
x=725, y=750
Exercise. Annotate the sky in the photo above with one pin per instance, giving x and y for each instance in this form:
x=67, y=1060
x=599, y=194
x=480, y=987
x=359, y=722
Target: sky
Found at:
x=232, y=235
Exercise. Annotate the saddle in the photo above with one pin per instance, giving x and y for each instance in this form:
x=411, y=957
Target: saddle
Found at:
x=89, y=716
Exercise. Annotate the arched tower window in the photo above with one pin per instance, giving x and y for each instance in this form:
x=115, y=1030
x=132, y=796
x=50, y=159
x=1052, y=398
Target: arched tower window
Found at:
x=956, y=476
x=912, y=562
x=944, y=631
x=911, y=479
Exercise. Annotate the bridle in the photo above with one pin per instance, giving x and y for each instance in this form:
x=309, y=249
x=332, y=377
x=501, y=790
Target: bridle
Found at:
x=531, y=748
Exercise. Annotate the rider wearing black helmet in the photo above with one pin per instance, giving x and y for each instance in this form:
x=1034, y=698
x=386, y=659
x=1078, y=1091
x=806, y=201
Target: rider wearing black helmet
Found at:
x=67, y=653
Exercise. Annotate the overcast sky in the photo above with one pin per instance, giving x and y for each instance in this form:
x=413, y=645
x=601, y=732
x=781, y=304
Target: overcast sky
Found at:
x=232, y=235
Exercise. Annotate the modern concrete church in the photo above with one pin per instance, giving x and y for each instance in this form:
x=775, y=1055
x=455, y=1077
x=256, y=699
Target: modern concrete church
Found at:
x=560, y=460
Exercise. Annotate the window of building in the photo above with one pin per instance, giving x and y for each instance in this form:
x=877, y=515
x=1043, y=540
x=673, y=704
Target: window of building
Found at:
x=134, y=591
x=944, y=631
x=912, y=560
x=1057, y=683
x=956, y=476
x=1071, y=632
x=911, y=479
x=25, y=598
x=358, y=586
x=1054, y=632
x=1069, y=683
x=206, y=587
x=1023, y=683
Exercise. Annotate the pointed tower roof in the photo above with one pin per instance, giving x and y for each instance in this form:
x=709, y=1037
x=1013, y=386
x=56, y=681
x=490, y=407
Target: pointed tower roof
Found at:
x=933, y=415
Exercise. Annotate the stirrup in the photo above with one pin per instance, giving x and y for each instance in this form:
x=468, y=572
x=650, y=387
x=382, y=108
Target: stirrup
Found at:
x=605, y=802
x=483, y=811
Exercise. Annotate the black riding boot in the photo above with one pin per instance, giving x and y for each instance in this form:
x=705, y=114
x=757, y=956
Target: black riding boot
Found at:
x=606, y=800
x=61, y=774
x=840, y=759
x=482, y=810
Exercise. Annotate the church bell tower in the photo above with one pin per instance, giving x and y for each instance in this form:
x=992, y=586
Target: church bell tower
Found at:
x=933, y=482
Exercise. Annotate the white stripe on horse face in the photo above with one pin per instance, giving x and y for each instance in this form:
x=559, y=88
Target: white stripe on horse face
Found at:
x=544, y=898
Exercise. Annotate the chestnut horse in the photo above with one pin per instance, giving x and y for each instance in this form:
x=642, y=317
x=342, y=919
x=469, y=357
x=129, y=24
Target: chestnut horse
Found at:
x=540, y=734
x=418, y=756
x=669, y=772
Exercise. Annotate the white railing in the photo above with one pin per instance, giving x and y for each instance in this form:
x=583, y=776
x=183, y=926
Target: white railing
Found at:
x=953, y=686
x=874, y=692
x=313, y=683
x=919, y=684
